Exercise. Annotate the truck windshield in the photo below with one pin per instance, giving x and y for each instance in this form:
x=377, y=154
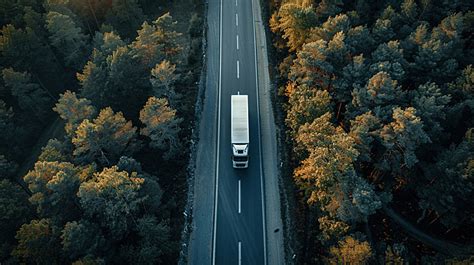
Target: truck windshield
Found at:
x=240, y=158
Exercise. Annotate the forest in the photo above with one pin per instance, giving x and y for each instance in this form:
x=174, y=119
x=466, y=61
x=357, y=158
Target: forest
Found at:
x=96, y=112
x=377, y=100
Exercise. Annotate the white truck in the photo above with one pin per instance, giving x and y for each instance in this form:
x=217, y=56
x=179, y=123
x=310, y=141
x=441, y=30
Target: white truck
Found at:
x=239, y=127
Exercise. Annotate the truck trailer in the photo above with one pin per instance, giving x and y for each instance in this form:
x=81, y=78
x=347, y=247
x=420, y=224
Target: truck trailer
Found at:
x=239, y=130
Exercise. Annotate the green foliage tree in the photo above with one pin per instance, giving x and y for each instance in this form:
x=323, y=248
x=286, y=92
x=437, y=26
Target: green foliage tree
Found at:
x=162, y=79
x=112, y=198
x=38, y=243
x=125, y=16
x=81, y=239
x=14, y=211
x=158, y=41
x=451, y=184
x=53, y=186
x=153, y=243
x=68, y=39
x=29, y=95
x=305, y=105
x=104, y=139
x=73, y=110
x=53, y=151
x=161, y=125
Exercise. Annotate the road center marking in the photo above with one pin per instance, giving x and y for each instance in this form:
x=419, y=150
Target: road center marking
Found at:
x=240, y=253
x=237, y=42
x=238, y=70
x=239, y=197
x=236, y=19
x=235, y=2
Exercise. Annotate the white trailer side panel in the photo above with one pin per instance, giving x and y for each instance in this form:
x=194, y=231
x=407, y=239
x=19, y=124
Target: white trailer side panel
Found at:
x=239, y=119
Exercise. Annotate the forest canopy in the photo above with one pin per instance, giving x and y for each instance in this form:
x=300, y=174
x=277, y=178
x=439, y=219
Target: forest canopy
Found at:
x=378, y=99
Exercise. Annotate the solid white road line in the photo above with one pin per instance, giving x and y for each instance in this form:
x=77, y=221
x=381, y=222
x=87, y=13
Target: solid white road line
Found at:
x=239, y=196
x=240, y=253
x=216, y=197
x=238, y=70
x=237, y=42
x=260, y=141
x=236, y=19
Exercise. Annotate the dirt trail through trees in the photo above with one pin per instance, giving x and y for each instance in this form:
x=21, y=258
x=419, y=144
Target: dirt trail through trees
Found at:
x=442, y=246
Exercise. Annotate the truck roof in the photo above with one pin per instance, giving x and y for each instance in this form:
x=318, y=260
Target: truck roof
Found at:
x=239, y=119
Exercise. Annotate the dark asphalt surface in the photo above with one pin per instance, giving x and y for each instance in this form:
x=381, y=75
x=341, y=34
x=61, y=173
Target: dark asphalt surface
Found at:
x=231, y=226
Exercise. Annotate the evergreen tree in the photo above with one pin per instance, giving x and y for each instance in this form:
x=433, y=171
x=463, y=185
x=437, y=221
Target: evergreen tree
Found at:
x=73, y=110
x=351, y=251
x=104, y=139
x=81, y=239
x=14, y=211
x=68, y=39
x=294, y=21
x=53, y=186
x=38, y=243
x=305, y=105
x=125, y=16
x=161, y=125
x=163, y=78
x=29, y=95
x=112, y=198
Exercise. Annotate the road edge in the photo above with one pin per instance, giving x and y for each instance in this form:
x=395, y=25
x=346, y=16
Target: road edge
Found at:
x=274, y=225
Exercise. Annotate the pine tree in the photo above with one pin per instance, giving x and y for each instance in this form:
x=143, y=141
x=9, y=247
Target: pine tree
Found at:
x=29, y=95
x=73, y=110
x=351, y=251
x=53, y=186
x=81, y=238
x=104, y=139
x=163, y=78
x=112, y=198
x=38, y=242
x=68, y=39
x=294, y=22
x=161, y=125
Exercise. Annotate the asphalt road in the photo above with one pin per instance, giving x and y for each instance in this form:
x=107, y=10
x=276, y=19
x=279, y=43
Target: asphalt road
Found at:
x=238, y=235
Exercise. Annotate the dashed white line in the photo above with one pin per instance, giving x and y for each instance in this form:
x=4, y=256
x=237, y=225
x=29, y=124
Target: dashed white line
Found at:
x=237, y=42
x=235, y=2
x=238, y=70
x=239, y=197
x=240, y=253
x=236, y=19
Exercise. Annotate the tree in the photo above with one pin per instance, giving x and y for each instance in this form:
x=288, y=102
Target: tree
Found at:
x=107, y=42
x=14, y=211
x=305, y=105
x=311, y=67
x=112, y=198
x=54, y=186
x=23, y=50
x=381, y=94
x=38, y=243
x=294, y=22
x=161, y=125
x=157, y=42
x=68, y=39
x=351, y=251
x=125, y=16
x=73, y=110
x=117, y=80
x=450, y=184
x=163, y=78
x=29, y=95
x=104, y=139
x=154, y=242
x=53, y=151
x=81, y=238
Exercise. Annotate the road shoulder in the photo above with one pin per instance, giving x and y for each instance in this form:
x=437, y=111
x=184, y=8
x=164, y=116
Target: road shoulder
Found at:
x=274, y=225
